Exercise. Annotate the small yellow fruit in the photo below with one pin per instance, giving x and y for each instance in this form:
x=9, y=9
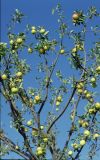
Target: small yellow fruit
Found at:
x=14, y=90
x=97, y=105
x=46, y=48
x=40, y=152
x=96, y=135
x=85, y=124
x=75, y=145
x=19, y=40
x=42, y=50
x=39, y=148
x=42, y=127
x=34, y=133
x=98, y=69
x=19, y=74
x=37, y=98
x=87, y=133
x=80, y=121
x=74, y=50
x=62, y=51
x=42, y=30
x=82, y=142
x=33, y=31
x=59, y=98
x=85, y=91
x=45, y=140
x=11, y=41
x=57, y=103
x=30, y=50
x=92, y=110
x=70, y=153
x=80, y=91
x=93, y=80
x=4, y=76
x=16, y=147
x=75, y=16
x=29, y=123
x=88, y=95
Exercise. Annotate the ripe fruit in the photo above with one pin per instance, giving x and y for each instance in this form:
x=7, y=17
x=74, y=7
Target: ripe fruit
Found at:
x=39, y=151
x=57, y=103
x=16, y=147
x=14, y=90
x=59, y=98
x=85, y=124
x=74, y=50
x=46, y=48
x=80, y=121
x=92, y=110
x=75, y=16
x=96, y=135
x=4, y=76
x=41, y=50
x=19, y=40
x=37, y=98
x=75, y=145
x=45, y=140
x=19, y=74
x=29, y=123
x=85, y=91
x=33, y=27
x=82, y=142
x=41, y=127
x=88, y=95
x=70, y=153
x=97, y=105
x=11, y=41
x=80, y=91
x=98, y=69
x=93, y=80
x=30, y=50
x=62, y=51
x=42, y=30
x=33, y=31
x=87, y=133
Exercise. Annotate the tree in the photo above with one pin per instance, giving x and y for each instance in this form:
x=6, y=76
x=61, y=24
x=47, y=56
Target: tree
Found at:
x=54, y=92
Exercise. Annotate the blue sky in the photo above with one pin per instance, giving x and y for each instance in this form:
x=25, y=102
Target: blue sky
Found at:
x=38, y=12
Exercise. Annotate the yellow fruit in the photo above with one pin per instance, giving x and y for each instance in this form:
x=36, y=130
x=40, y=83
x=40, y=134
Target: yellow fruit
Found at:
x=42, y=50
x=62, y=51
x=45, y=140
x=80, y=122
x=4, y=76
x=16, y=147
x=37, y=98
x=14, y=90
x=85, y=124
x=75, y=145
x=98, y=69
x=88, y=95
x=40, y=152
x=19, y=74
x=75, y=16
x=97, y=105
x=46, y=48
x=59, y=98
x=93, y=80
x=30, y=50
x=26, y=129
x=19, y=40
x=96, y=135
x=92, y=110
x=74, y=50
x=80, y=91
x=87, y=133
x=85, y=91
x=41, y=127
x=82, y=142
x=29, y=123
x=57, y=103
x=70, y=153
x=42, y=30
x=34, y=133
x=33, y=31
x=11, y=42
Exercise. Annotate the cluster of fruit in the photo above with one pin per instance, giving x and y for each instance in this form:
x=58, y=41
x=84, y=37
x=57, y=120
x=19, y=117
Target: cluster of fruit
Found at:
x=78, y=17
x=94, y=109
x=58, y=102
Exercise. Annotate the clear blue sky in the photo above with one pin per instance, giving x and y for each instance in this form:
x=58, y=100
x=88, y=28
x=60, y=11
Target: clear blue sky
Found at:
x=38, y=12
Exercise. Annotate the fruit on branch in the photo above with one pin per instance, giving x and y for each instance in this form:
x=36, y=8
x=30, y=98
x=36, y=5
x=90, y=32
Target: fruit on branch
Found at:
x=82, y=142
x=34, y=133
x=85, y=124
x=74, y=50
x=93, y=80
x=87, y=133
x=41, y=127
x=96, y=135
x=29, y=123
x=26, y=129
x=4, y=77
x=14, y=90
x=17, y=147
x=46, y=47
x=19, y=74
x=19, y=40
x=75, y=16
x=70, y=153
x=11, y=42
x=98, y=70
x=59, y=98
x=45, y=140
x=92, y=111
x=42, y=51
x=37, y=99
x=39, y=151
x=80, y=91
x=42, y=31
x=57, y=103
x=97, y=106
x=62, y=51
x=33, y=30
x=75, y=146
x=30, y=50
